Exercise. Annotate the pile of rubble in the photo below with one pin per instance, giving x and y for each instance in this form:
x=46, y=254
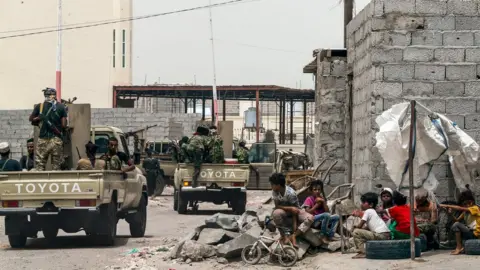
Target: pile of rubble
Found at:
x=224, y=236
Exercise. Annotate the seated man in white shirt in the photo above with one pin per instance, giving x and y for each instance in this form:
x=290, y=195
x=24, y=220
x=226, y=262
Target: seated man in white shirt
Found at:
x=376, y=229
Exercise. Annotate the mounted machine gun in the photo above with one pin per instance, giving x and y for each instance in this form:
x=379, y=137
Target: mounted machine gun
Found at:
x=138, y=141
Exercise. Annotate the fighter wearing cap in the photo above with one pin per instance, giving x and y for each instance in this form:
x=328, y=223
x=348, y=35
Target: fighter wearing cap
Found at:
x=51, y=117
x=7, y=164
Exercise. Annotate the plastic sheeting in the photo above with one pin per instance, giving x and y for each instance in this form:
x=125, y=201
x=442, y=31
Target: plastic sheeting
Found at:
x=435, y=136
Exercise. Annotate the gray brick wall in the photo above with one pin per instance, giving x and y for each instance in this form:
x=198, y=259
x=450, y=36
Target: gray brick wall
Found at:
x=426, y=50
x=16, y=128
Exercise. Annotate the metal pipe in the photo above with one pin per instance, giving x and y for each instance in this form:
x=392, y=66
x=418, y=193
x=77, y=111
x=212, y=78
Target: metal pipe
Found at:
x=291, y=121
x=224, y=109
x=203, y=109
x=410, y=177
x=257, y=114
x=58, y=73
x=304, y=121
x=214, y=89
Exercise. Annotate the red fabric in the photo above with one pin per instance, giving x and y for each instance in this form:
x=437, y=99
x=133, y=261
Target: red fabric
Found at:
x=401, y=214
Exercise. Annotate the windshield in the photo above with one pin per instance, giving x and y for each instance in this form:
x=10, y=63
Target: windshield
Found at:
x=262, y=153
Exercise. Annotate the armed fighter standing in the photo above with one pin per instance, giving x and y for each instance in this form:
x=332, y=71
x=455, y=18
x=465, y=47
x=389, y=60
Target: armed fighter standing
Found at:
x=51, y=117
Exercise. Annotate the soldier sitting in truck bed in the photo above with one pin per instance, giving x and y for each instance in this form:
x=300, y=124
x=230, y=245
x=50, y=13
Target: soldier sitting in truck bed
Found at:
x=113, y=158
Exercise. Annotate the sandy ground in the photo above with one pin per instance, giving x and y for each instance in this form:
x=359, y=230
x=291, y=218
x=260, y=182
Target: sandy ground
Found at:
x=165, y=227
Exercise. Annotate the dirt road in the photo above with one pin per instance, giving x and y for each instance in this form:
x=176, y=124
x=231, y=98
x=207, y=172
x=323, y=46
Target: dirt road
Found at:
x=165, y=227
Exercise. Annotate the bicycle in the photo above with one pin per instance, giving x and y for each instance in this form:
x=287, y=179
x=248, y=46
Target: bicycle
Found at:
x=287, y=255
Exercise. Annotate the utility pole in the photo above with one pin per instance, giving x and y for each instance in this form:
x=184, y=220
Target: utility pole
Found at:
x=347, y=17
x=58, y=73
x=214, y=90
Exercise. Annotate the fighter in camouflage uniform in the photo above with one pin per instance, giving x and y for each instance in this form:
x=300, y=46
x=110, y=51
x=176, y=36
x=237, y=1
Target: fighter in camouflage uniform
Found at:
x=196, y=151
x=51, y=117
x=183, y=155
x=216, y=147
x=242, y=153
x=152, y=168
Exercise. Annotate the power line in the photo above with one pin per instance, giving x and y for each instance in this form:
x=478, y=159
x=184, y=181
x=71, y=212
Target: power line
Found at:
x=106, y=22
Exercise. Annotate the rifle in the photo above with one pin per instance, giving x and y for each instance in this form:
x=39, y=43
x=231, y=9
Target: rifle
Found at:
x=78, y=152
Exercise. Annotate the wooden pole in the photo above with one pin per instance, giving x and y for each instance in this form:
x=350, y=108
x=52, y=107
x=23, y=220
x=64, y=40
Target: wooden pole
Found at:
x=410, y=175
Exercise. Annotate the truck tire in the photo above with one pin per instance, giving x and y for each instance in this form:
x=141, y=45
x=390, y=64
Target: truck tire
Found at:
x=108, y=218
x=239, y=204
x=160, y=185
x=391, y=249
x=182, y=204
x=138, y=220
x=175, y=200
x=50, y=233
x=17, y=241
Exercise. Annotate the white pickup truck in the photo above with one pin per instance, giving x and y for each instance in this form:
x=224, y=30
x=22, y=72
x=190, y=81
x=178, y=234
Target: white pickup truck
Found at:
x=217, y=183
x=74, y=200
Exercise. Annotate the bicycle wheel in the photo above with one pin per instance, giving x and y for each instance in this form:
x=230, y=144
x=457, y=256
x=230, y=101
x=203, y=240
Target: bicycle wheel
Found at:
x=252, y=254
x=289, y=257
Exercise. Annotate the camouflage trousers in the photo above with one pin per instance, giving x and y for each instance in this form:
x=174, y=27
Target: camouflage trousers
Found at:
x=196, y=156
x=52, y=147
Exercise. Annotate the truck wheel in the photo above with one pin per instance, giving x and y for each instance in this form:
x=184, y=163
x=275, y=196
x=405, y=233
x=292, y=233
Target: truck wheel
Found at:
x=138, y=222
x=50, y=233
x=17, y=241
x=175, y=200
x=108, y=217
x=160, y=185
x=239, y=204
x=182, y=204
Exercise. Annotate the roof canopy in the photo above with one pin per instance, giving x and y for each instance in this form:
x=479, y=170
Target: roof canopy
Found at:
x=227, y=92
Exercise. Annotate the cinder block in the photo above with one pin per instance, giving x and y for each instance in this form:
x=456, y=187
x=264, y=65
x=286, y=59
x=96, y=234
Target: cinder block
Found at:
x=387, y=89
x=467, y=23
x=436, y=105
x=462, y=7
x=458, y=39
x=449, y=89
x=398, y=72
x=440, y=23
x=449, y=55
x=403, y=22
x=380, y=55
x=429, y=38
x=461, y=72
x=472, y=121
x=461, y=106
x=400, y=6
x=416, y=54
x=472, y=89
x=472, y=55
x=437, y=7
x=394, y=38
x=429, y=72
x=420, y=89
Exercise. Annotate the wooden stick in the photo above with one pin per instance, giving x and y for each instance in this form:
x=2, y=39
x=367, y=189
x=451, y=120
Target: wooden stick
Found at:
x=410, y=177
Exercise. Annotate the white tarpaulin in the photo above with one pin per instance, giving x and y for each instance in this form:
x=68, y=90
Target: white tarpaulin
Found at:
x=435, y=136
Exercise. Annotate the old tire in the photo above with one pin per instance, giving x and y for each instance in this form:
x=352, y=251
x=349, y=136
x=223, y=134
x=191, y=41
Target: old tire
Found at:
x=108, y=217
x=251, y=254
x=472, y=247
x=17, y=241
x=391, y=249
x=423, y=241
x=175, y=200
x=182, y=204
x=138, y=221
x=160, y=185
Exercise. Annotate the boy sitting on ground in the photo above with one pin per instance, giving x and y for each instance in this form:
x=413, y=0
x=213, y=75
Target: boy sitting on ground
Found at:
x=376, y=229
x=287, y=208
x=317, y=206
x=400, y=213
x=468, y=231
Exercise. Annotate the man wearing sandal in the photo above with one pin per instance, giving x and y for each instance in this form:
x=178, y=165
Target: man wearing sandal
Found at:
x=465, y=231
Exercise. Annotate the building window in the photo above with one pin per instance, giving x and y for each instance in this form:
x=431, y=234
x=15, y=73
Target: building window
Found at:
x=123, y=48
x=113, y=47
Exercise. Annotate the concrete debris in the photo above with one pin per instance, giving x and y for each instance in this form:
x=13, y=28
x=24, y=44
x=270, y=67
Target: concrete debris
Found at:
x=223, y=221
x=175, y=252
x=194, y=251
x=233, y=248
x=222, y=261
x=336, y=245
x=303, y=247
x=215, y=236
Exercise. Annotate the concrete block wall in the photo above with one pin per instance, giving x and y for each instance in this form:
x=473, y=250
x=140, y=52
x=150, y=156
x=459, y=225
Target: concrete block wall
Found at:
x=16, y=128
x=330, y=111
x=427, y=50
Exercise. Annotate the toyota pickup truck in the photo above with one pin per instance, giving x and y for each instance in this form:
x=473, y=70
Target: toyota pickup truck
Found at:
x=217, y=183
x=92, y=201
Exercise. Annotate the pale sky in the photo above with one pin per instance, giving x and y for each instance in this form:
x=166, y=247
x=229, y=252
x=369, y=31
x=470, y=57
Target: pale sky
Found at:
x=257, y=42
